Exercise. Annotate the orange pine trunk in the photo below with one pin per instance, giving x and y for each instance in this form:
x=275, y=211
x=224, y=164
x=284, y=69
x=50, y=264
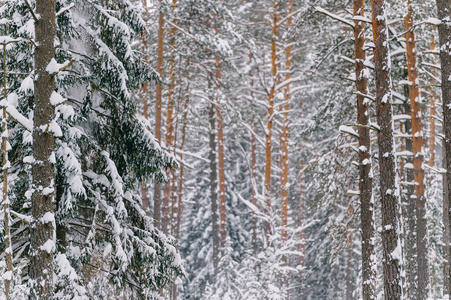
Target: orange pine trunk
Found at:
x=285, y=136
x=418, y=158
x=170, y=134
x=158, y=100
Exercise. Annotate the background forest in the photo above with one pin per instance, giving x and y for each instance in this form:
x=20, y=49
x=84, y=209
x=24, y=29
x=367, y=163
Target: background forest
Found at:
x=208, y=149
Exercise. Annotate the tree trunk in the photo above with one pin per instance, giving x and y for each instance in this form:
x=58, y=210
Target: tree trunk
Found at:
x=180, y=186
x=221, y=166
x=6, y=164
x=432, y=115
x=392, y=251
x=410, y=213
x=42, y=231
x=158, y=94
x=285, y=136
x=418, y=157
x=213, y=190
x=444, y=29
x=446, y=232
x=270, y=115
x=170, y=134
x=365, y=165
x=145, y=101
x=349, y=260
x=254, y=183
x=302, y=232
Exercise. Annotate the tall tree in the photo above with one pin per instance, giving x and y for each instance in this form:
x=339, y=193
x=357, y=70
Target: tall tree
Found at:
x=42, y=229
x=392, y=251
x=221, y=166
x=158, y=103
x=418, y=156
x=365, y=165
x=444, y=29
x=270, y=111
x=213, y=189
x=284, y=137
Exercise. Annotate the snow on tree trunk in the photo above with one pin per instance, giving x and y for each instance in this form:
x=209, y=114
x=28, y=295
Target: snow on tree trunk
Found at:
x=158, y=97
x=365, y=164
x=390, y=231
x=270, y=115
x=213, y=189
x=444, y=28
x=42, y=229
x=418, y=156
x=6, y=203
x=285, y=135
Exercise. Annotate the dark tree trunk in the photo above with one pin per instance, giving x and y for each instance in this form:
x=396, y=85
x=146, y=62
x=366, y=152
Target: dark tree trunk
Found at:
x=410, y=213
x=42, y=231
x=214, y=189
x=392, y=252
x=365, y=165
x=444, y=29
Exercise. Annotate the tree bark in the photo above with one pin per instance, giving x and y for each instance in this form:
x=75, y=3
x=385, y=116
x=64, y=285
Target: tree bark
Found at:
x=6, y=203
x=444, y=29
x=270, y=115
x=145, y=101
x=213, y=189
x=285, y=136
x=180, y=186
x=254, y=183
x=418, y=157
x=221, y=165
x=410, y=213
x=392, y=251
x=365, y=165
x=302, y=232
x=170, y=133
x=158, y=95
x=432, y=115
x=349, y=260
x=42, y=230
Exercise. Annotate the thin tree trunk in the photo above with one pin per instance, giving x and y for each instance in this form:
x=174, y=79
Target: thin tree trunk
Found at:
x=446, y=231
x=270, y=115
x=166, y=215
x=432, y=115
x=410, y=213
x=254, y=183
x=42, y=231
x=6, y=209
x=145, y=101
x=158, y=97
x=221, y=165
x=180, y=186
x=302, y=232
x=349, y=260
x=392, y=252
x=213, y=190
x=443, y=12
x=365, y=165
x=418, y=157
x=285, y=136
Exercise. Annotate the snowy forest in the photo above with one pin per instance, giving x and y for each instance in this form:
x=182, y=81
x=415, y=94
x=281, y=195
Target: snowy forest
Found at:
x=222, y=150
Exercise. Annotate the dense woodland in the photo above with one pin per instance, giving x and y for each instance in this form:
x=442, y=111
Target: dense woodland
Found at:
x=221, y=150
